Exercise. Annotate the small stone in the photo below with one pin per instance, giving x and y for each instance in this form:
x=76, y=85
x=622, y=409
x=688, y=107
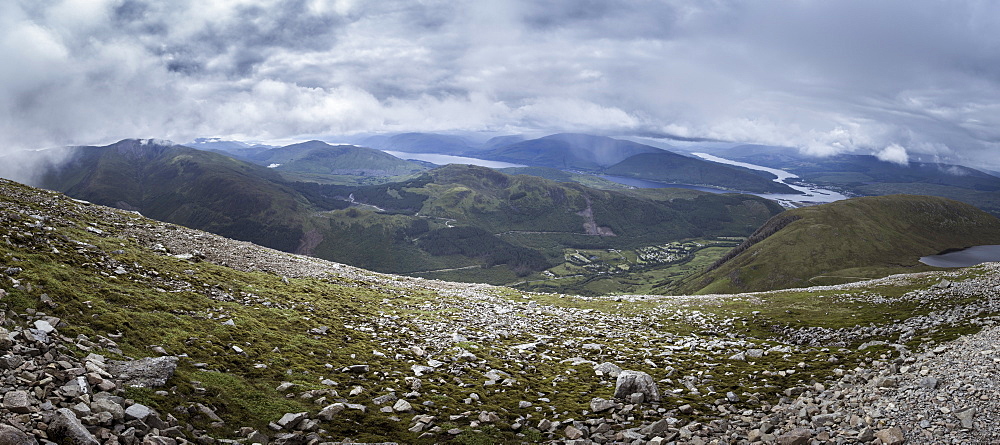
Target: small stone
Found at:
x=798, y=436
x=138, y=411
x=598, y=404
x=402, y=406
x=891, y=436
x=609, y=369
x=928, y=382
x=17, y=402
x=636, y=398
x=290, y=420
x=66, y=428
x=755, y=353
x=966, y=415
x=13, y=436
x=328, y=412
x=573, y=433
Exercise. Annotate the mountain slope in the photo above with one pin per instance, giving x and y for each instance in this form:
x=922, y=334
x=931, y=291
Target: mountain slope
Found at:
x=319, y=161
x=842, y=241
x=284, y=349
x=673, y=168
x=568, y=151
x=186, y=186
x=422, y=143
x=490, y=226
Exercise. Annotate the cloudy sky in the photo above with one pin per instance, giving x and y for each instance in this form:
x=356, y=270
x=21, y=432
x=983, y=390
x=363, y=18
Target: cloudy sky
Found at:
x=906, y=79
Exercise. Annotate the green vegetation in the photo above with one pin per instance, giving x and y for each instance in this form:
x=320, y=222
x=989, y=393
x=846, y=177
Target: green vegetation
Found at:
x=451, y=219
x=105, y=280
x=846, y=241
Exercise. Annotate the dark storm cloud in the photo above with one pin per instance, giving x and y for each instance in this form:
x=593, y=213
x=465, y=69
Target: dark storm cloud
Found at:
x=903, y=79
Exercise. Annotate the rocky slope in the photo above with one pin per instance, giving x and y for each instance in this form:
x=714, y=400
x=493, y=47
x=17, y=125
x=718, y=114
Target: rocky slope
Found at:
x=120, y=329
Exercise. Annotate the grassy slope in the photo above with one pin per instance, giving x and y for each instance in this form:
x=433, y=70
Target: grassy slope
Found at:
x=191, y=187
x=181, y=306
x=848, y=240
x=208, y=191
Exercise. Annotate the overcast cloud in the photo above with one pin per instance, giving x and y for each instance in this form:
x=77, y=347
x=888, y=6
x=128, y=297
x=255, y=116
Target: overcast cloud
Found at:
x=905, y=79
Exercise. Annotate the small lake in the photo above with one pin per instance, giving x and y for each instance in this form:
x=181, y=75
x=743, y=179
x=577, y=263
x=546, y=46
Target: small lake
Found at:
x=439, y=159
x=965, y=257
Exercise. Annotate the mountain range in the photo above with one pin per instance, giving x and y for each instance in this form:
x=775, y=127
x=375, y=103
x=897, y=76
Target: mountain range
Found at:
x=493, y=226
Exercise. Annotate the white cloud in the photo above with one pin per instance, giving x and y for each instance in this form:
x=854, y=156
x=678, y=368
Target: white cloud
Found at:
x=894, y=153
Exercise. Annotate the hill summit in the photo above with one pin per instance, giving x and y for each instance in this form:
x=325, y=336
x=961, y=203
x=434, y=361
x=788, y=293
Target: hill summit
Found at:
x=848, y=240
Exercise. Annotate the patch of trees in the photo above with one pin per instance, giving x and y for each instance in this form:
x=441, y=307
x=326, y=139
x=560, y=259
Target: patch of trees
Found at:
x=477, y=243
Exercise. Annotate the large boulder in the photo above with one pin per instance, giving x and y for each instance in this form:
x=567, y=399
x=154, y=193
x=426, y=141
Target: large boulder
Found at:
x=150, y=372
x=630, y=382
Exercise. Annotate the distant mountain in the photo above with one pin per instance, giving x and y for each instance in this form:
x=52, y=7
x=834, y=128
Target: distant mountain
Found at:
x=195, y=188
x=673, y=168
x=422, y=143
x=568, y=151
x=322, y=162
x=501, y=141
x=232, y=148
x=854, y=171
x=847, y=241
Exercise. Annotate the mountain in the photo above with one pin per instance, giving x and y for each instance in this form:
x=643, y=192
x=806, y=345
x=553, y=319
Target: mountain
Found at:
x=134, y=331
x=490, y=226
x=459, y=215
x=321, y=162
x=673, y=168
x=194, y=188
x=865, y=175
x=422, y=143
x=237, y=149
x=568, y=151
x=848, y=240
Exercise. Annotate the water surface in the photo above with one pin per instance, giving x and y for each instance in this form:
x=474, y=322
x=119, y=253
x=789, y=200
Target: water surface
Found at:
x=440, y=159
x=965, y=257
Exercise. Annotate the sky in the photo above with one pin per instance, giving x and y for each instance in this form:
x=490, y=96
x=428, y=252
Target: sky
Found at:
x=903, y=79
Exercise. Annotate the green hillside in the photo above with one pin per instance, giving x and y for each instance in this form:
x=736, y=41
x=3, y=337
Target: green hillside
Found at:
x=467, y=223
x=847, y=241
x=672, y=168
x=317, y=161
x=524, y=224
x=194, y=188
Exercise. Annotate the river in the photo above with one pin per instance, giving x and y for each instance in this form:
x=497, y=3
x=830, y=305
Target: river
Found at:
x=810, y=193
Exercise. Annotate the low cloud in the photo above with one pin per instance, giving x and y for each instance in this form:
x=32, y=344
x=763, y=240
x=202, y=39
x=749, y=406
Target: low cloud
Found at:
x=894, y=153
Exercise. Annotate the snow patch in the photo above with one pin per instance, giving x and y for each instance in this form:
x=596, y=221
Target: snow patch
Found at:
x=274, y=166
